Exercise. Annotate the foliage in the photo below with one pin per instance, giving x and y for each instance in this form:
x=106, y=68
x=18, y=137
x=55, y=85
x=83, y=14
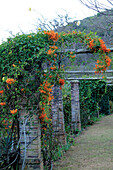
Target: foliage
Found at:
x=91, y=92
x=31, y=65
x=52, y=149
x=110, y=92
x=104, y=104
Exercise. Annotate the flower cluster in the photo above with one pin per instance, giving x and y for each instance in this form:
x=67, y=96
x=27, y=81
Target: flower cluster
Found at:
x=103, y=64
x=10, y=81
x=3, y=103
x=46, y=96
x=98, y=45
x=91, y=44
x=50, y=52
x=52, y=35
x=104, y=61
x=7, y=124
x=61, y=82
x=1, y=91
x=103, y=47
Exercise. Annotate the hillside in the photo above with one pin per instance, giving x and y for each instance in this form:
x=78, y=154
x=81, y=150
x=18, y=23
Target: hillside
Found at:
x=102, y=25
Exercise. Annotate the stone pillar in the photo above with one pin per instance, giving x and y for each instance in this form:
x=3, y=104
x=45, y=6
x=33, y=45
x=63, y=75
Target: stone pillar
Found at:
x=75, y=105
x=57, y=115
x=30, y=136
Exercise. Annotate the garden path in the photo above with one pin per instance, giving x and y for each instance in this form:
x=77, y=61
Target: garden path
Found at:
x=93, y=149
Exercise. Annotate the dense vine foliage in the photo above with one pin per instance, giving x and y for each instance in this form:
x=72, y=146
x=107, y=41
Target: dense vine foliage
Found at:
x=30, y=65
x=91, y=92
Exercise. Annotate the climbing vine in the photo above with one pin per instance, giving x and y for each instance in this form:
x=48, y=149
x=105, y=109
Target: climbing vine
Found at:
x=30, y=66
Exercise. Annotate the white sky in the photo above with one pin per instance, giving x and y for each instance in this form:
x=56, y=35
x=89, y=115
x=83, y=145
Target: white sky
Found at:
x=15, y=14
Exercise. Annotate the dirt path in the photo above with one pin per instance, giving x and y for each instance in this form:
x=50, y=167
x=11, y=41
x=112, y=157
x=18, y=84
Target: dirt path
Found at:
x=93, y=149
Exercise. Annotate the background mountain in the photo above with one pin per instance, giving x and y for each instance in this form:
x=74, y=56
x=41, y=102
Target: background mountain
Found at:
x=102, y=25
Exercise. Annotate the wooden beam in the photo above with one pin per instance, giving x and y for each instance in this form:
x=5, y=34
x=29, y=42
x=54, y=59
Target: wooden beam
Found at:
x=83, y=72
x=79, y=51
x=89, y=78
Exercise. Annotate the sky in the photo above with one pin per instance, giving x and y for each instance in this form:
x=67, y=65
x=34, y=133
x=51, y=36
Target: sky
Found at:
x=15, y=15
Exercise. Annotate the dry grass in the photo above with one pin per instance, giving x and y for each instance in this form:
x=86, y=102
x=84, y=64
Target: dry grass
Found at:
x=93, y=149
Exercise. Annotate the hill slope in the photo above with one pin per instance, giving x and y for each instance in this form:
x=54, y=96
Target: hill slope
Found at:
x=102, y=24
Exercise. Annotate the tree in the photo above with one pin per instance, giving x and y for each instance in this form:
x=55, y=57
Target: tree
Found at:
x=98, y=5
x=59, y=22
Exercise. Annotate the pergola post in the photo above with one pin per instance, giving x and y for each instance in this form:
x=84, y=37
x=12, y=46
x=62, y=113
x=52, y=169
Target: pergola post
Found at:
x=30, y=143
x=75, y=106
x=58, y=115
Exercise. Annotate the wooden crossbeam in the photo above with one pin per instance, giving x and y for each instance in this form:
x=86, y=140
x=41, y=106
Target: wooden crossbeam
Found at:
x=85, y=72
x=88, y=78
x=79, y=51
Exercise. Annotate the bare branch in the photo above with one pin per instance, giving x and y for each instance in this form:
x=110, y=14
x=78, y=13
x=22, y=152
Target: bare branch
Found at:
x=97, y=5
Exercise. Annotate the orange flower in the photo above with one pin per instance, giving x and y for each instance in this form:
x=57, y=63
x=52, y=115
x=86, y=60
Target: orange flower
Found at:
x=61, y=82
x=54, y=47
x=71, y=52
x=22, y=89
x=98, y=61
x=13, y=65
x=42, y=116
x=50, y=90
x=29, y=36
x=55, y=55
x=42, y=91
x=3, y=103
x=1, y=91
x=43, y=108
x=10, y=81
x=108, y=50
x=13, y=111
x=53, y=68
x=72, y=56
x=7, y=86
x=50, y=52
x=50, y=98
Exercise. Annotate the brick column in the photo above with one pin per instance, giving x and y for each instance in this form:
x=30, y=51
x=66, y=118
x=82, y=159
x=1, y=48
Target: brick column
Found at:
x=57, y=115
x=75, y=105
x=32, y=135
